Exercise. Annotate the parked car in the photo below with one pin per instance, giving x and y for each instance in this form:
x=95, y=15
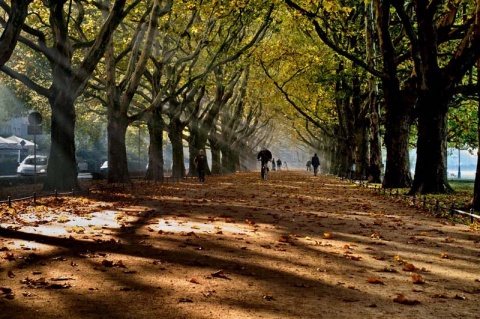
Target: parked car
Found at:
x=104, y=168
x=27, y=166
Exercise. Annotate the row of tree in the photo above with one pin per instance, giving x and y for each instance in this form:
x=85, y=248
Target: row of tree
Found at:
x=182, y=67
x=401, y=69
x=348, y=76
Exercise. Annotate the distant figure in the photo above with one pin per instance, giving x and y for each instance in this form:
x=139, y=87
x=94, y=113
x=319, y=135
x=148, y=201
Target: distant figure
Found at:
x=273, y=164
x=285, y=164
x=264, y=156
x=309, y=165
x=200, y=162
x=316, y=164
x=279, y=164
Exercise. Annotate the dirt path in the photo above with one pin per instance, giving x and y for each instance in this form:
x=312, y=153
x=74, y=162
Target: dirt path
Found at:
x=295, y=246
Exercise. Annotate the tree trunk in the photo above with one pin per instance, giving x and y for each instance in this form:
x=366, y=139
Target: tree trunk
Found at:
x=374, y=174
x=375, y=166
x=197, y=142
x=117, y=154
x=361, y=151
x=346, y=124
x=476, y=187
x=397, y=112
x=216, y=159
x=397, y=130
x=62, y=167
x=431, y=166
x=176, y=139
x=155, y=150
x=229, y=160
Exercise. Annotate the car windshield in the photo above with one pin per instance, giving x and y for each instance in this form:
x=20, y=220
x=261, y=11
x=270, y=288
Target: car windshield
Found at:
x=40, y=161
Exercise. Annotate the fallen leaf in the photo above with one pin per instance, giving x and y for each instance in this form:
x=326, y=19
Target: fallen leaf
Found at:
x=409, y=267
x=327, y=235
x=220, y=274
x=387, y=269
x=404, y=301
x=61, y=279
x=59, y=286
x=5, y=290
x=9, y=257
x=10, y=296
x=129, y=272
x=185, y=300
x=417, y=279
x=107, y=263
x=375, y=280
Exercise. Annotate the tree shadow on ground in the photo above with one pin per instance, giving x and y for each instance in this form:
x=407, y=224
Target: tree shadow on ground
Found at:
x=245, y=249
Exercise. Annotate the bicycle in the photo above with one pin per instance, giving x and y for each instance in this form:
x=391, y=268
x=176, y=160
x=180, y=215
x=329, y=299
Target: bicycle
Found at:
x=264, y=171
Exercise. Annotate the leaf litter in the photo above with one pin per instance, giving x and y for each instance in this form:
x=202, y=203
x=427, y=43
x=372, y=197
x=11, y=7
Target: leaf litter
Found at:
x=294, y=231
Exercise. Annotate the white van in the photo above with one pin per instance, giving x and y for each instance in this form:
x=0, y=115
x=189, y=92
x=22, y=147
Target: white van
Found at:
x=27, y=166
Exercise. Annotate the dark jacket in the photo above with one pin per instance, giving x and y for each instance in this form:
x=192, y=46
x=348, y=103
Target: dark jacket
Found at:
x=315, y=161
x=200, y=162
x=264, y=156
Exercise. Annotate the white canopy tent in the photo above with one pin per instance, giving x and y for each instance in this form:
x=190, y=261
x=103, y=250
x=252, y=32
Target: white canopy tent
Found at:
x=18, y=140
x=6, y=143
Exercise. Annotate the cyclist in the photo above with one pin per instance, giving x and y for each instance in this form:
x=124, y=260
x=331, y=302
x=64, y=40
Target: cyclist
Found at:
x=264, y=156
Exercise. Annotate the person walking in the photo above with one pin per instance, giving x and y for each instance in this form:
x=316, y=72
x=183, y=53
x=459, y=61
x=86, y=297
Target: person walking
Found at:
x=200, y=162
x=279, y=164
x=315, y=163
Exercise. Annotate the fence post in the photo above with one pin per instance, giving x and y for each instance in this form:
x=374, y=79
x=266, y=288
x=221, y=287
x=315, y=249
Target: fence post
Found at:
x=452, y=210
x=414, y=200
x=9, y=201
x=73, y=192
x=437, y=206
x=471, y=215
x=424, y=202
x=35, y=198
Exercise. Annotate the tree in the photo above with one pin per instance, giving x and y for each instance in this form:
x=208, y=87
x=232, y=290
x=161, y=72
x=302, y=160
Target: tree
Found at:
x=340, y=26
x=70, y=69
x=119, y=94
x=476, y=187
x=201, y=125
x=12, y=27
x=445, y=46
x=196, y=41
